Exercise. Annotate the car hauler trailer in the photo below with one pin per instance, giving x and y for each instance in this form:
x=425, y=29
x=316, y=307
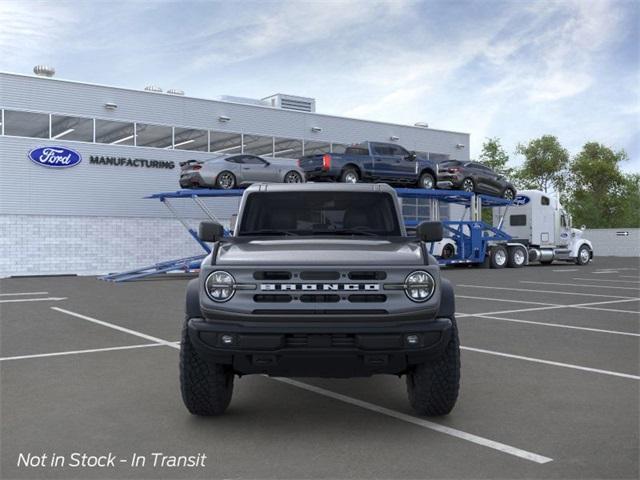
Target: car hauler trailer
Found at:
x=538, y=221
x=469, y=241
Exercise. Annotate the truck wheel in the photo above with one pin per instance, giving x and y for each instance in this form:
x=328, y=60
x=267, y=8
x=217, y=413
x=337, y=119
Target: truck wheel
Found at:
x=226, y=180
x=584, y=255
x=433, y=386
x=349, y=175
x=427, y=181
x=206, y=387
x=517, y=257
x=499, y=257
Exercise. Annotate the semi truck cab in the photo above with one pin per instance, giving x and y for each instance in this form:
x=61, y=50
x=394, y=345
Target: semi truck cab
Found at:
x=538, y=221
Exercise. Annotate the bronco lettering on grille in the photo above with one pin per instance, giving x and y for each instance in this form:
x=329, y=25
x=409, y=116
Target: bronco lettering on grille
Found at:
x=370, y=287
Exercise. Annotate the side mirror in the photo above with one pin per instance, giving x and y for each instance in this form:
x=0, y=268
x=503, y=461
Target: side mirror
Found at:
x=210, y=231
x=429, y=231
x=412, y=156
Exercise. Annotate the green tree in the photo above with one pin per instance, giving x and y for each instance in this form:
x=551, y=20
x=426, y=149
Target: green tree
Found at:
x=600, y=195
x=545, y=164
x=494, y=156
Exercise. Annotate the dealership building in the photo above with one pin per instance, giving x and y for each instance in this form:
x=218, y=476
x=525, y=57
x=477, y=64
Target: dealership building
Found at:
x=93, y=217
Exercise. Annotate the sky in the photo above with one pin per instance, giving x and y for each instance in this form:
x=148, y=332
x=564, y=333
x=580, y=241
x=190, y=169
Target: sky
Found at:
x=509, y=69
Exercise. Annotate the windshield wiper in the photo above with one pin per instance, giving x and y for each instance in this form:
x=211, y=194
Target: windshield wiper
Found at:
x=268, y=231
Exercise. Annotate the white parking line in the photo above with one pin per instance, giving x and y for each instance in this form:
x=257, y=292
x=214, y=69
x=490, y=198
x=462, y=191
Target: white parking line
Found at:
x=508, y=300
x=549, y=362
x=115, y=327
x=551, y=306
x=528, y=290
x=605, y=280
x=385, y=411
x=469, y=437
x=47, y=299
x=628, y=276
x=76, y=352
x=567, y=270
x=22, y=293
x=558, y=325
x=583, y=285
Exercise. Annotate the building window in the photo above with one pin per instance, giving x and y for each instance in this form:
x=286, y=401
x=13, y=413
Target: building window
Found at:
x=287, y=148
x=190, y=139
x=26, y=124
x=225, y=143
x=114, y=133
x=71, y=128
x=157, y=136
x=315, y=148
x=258, y=145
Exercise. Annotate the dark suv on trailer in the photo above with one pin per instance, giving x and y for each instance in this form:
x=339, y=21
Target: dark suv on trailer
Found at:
x=320, y=280
x=474, y=177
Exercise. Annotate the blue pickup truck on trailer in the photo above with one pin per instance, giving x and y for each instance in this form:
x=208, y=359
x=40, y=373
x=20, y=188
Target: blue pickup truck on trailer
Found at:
x=372, y=162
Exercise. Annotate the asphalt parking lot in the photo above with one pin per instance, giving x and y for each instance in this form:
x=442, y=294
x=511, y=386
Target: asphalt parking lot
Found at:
x=550, y=387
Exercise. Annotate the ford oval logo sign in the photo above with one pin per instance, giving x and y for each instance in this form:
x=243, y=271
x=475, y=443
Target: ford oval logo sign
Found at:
x=521, y=200
x=55, y=157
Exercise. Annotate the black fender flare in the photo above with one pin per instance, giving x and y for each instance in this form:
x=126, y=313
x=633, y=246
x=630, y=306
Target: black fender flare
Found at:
x=447, y=299
x=192, y=307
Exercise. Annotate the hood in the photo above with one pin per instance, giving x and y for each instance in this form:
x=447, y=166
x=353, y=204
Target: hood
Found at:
x=326, y=251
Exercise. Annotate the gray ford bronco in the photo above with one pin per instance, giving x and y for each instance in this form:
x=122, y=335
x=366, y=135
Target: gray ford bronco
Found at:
x=320, y=280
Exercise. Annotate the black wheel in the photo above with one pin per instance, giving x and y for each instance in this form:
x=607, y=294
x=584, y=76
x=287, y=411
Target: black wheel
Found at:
x=226, y=180
x=293, y=177
x=427, y=181
x=517, y=257
x=349, y=175
x=584, y=255
x=499, y=257
x=468, y=185
x=448, y=251
x=433, y=386
x=508, y=194
x=206, y=387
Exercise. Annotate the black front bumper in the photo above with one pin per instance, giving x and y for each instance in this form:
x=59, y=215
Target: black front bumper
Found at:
x=329, y=350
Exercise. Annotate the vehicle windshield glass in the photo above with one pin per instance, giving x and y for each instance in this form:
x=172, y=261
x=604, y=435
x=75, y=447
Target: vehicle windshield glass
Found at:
x=319, y=213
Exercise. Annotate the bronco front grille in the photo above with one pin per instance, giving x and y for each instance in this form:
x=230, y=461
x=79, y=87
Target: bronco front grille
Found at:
x=320, y=341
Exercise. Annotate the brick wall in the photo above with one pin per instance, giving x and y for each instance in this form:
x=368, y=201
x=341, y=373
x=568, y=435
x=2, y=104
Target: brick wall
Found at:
x=46, y=245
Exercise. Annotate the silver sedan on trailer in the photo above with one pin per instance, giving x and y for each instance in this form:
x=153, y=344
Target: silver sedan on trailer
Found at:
x=239, y=170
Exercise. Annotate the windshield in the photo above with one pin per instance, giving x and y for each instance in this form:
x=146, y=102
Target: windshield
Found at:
x=319, y=213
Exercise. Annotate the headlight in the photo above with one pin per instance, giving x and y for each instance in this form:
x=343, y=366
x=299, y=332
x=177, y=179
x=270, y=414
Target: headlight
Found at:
x=220, y=286
x=419, y=286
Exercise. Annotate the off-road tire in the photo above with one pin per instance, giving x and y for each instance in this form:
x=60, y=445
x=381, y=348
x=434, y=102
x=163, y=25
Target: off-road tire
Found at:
x=433, y=386
x=425, y=177
x=347, y=173
x=206, y=387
